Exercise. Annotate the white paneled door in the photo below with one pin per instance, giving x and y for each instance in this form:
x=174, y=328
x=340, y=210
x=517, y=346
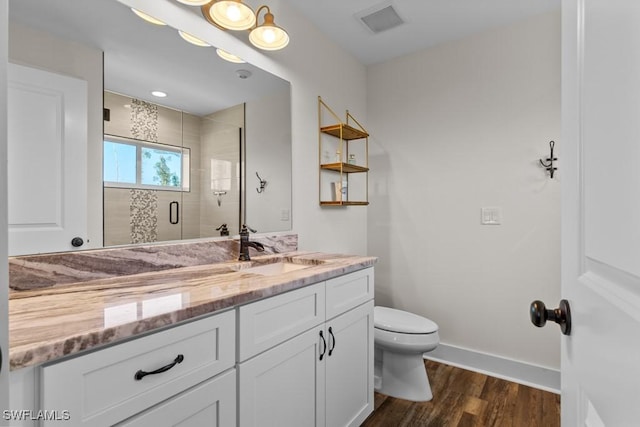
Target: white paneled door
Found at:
x=600, y=172
x=47, y=156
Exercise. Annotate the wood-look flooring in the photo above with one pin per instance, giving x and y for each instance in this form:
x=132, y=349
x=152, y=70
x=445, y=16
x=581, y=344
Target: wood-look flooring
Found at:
x=464, y=398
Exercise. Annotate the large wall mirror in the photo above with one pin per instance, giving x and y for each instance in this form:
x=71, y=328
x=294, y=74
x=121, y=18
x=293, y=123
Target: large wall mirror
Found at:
x=96, y=160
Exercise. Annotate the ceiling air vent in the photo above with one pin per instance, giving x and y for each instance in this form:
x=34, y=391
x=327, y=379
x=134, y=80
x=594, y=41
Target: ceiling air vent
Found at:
x=380, y=18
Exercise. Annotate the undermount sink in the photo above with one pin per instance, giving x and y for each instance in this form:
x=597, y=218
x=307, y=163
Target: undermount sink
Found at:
x=274, y=269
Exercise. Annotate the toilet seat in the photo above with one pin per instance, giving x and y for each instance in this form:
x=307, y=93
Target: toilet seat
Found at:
x=399, y=321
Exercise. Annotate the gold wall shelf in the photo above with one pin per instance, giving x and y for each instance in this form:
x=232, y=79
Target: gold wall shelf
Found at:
x=342, y=133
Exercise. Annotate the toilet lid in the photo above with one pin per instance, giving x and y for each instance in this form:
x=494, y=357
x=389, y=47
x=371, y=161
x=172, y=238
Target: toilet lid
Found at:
x=393, y=320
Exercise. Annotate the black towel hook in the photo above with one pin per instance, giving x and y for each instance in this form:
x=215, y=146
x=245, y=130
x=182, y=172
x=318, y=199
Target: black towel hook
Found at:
x=263, y=184
x=549, y=161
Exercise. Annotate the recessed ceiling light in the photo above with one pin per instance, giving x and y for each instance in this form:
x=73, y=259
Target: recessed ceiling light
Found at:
x=147, y=18
x=159, y=94
x=229, y=56
x=192, y=39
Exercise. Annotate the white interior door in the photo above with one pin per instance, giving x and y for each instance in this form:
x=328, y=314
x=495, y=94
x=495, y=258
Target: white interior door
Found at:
x=600, y=169
x=47, y=152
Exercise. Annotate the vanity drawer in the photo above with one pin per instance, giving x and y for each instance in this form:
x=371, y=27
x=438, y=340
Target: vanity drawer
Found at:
x=348, y=291
x=100, y=388
x=211, y=404
x=271, y=321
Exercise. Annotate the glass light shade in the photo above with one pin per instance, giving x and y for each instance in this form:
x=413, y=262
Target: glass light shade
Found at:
x=232, y=15
x=269, y=36
x=148, y=18
x=194, y=2
x=192, y=39
x=229, y=57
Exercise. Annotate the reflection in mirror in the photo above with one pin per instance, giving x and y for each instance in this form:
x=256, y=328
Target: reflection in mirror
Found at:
x=169, y=174
x=190, y=177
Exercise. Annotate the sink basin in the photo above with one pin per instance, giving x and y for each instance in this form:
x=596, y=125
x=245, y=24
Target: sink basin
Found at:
x=275, y=268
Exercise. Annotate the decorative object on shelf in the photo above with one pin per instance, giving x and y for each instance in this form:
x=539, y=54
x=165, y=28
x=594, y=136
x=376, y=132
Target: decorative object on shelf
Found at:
x=237, y=16
x=334, y=187
x=549, y=161
x=263, y=183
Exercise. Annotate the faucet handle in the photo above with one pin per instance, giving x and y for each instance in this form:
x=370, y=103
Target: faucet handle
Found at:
x=224, y=231
x=246, y=227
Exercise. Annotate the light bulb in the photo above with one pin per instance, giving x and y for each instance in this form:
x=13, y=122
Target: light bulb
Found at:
x=233, y=13
x=268, y=35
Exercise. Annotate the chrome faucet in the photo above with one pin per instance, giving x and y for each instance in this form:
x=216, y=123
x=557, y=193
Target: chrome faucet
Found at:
x=245, y=243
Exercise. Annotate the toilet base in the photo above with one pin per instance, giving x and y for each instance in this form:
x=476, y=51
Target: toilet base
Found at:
x=401, y=375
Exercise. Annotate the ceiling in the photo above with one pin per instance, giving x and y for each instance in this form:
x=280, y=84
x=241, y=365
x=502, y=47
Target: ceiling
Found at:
x=141, y=57
x=427, y=22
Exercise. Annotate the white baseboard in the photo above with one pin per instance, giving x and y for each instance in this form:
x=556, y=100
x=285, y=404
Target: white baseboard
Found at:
x=499, y=367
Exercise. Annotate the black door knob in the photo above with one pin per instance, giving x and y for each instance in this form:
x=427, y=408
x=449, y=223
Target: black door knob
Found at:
x=561, y=315
x=76, y=242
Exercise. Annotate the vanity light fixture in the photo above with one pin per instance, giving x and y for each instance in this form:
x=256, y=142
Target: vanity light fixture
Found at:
x=268, y=36
x=194, y=2
x=232, y=14
x=193, y=39
x=148, y=18
x=235, y=15
x=159, y=94
x=229, y=56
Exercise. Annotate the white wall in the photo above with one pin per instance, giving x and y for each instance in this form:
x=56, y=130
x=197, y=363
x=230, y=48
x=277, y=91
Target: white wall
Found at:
x=315, y=66
x=455, y=128
x=268, y=152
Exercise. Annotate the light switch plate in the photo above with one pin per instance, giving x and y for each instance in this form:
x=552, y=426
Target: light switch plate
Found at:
x=491, y=216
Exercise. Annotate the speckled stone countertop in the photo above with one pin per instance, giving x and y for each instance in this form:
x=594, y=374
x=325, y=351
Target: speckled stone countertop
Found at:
x=48, y=323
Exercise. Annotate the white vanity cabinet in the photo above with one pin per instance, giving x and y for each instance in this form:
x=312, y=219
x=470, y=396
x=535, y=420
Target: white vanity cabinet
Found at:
x=109, y=386
x=299, y=358
x=320, y=376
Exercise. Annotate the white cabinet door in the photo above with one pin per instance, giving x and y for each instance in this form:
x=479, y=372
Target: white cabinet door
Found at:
x=47, y=167
x=211, y=404
x=284, y=386
x=349, y=367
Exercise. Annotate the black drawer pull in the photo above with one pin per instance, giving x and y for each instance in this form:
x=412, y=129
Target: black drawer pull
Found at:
x=141, y=374
x=324, y=346
x=331, y=338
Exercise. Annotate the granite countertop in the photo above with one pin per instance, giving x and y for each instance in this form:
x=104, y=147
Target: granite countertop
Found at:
x=48, y=323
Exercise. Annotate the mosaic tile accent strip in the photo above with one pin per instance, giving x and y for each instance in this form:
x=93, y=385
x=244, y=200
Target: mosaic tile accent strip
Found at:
x=144, y=120
x=143, y=217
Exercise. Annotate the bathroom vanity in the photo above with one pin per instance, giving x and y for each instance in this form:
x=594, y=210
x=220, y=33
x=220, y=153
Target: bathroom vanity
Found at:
x=284, y=339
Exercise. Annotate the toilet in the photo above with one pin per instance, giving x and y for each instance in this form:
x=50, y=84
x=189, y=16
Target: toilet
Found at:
x=400, y=339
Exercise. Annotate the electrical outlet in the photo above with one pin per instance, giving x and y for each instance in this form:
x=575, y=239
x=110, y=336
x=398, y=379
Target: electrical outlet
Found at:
x=491, y=216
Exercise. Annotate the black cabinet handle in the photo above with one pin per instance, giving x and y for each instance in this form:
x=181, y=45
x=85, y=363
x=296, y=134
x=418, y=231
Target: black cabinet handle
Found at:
x=76, y=242
x=141, y=374
x=331, y=338
x=324, y=346
x=177, y=211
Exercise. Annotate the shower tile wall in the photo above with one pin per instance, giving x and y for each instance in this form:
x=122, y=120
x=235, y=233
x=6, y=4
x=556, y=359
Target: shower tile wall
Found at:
x=143, y=215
